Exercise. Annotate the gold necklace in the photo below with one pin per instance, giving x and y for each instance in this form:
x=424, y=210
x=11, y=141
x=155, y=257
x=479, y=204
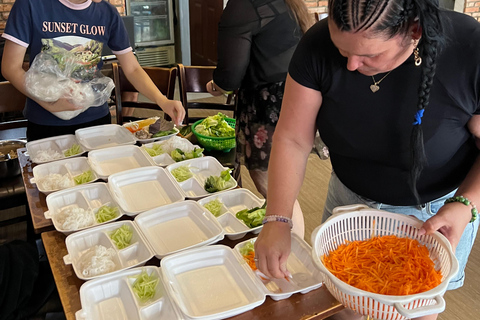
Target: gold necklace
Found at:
x=374, y=87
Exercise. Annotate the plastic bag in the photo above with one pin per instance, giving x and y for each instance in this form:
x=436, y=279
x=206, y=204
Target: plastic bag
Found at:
x=52, y=77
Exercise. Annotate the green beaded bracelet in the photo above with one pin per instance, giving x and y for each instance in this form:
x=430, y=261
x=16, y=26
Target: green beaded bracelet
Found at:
x=466, y=202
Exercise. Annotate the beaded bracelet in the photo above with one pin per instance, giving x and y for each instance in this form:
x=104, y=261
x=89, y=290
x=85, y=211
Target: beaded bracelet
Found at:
x=466, y=202
x=275, y=218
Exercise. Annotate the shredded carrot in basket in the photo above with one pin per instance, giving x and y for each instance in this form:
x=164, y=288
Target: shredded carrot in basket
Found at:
x=387, y=265
x=249, y=257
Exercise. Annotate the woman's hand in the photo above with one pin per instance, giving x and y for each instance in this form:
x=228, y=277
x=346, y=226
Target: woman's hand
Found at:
x=450, y=221
x=61, y=104
x=213, y=89
x=174, y=109
x=272, y=249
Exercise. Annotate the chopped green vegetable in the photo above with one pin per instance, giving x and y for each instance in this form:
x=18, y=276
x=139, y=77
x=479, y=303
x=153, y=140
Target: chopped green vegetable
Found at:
x=164, y=133
x=185, y=130
x=145, y=286
x=155, y=150
x=73, y=150
x=122, y=236
x=84, y=177
x=247, y=248
x=219, y=183
x=179, y=155
x=253, y=217
x=214, y=206
x=106, y=213
x=182, y=173
x=215, y=126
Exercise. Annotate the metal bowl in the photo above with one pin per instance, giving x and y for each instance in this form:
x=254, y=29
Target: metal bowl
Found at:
x=9, y=165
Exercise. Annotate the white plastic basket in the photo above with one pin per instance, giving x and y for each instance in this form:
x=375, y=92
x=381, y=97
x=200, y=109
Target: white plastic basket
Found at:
x=358, y=222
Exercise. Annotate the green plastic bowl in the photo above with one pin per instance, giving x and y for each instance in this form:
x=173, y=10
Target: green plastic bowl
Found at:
x=216, y=143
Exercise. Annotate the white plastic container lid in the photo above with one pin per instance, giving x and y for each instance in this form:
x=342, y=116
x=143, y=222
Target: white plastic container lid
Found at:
x=53, y=145
x=108, y=161
x=178, y=226
x=168, y=146
x=104, y=136
x=201, y=168
x=87, y=197
x=112, y=297
x=80, y=246
x=68, y=168
x=142, y=189
x=234, y=201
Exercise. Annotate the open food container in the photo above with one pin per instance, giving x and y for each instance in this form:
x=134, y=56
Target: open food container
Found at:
x=104, y=136
x=231, y=202
x=9, y=164
x=76, y=208
x=161, y=151
x=62, y=174
x=200, y=170
x=142, y=189
x=178, y=226
x=113, y=297
x=144, y=130
x=94, y=252
x=108, y=161
x=54, y=148
x=358, y=222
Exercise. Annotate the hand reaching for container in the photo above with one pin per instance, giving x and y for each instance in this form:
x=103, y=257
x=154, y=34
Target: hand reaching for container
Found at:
x=175, y=110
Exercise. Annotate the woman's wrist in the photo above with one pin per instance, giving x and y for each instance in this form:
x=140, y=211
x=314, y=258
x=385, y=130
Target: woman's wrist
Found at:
x=467, y=202
x=278, y=218
x=217, y=88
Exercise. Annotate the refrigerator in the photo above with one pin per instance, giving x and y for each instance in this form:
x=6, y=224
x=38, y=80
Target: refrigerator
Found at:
x=153, y=31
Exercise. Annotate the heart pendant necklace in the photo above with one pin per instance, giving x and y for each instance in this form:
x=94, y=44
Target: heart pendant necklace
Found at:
x=375, y=86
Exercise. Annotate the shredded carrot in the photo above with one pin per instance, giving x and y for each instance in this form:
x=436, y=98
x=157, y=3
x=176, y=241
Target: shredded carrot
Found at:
x=249, y=257
x=387, y=265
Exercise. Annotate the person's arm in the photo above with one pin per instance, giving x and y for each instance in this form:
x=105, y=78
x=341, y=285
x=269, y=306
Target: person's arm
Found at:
x=12, y=70
x=142, y=82
x=292, y=143
x=453, y=217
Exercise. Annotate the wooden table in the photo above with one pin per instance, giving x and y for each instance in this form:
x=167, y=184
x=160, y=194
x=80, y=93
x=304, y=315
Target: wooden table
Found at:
x=317, y=304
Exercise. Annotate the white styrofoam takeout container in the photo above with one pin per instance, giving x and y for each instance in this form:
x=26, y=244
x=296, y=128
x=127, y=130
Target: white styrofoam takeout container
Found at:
x=59, y=144
x=178, y=226
x=112, y=297
x=201, y=168
x=149, y=140
x=88, y=196
x=72, y=167
x=142, y=189
x=78, y=245
x=104, y=136
x=168, y=146
x=234, y=201
x=111, y=160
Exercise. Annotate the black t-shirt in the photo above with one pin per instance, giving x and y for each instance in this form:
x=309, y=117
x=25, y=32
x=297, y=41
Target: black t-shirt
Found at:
x=256, y=40
x=368, y=134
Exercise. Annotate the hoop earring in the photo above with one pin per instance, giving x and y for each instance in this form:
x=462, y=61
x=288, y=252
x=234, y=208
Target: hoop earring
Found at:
x=416, y=54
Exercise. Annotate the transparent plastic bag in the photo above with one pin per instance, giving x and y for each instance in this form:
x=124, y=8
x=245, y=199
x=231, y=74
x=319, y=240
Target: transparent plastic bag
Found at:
x=52, y=77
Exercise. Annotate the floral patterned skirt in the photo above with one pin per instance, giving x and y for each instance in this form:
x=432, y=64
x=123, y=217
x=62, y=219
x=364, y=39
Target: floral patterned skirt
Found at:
x=258, y=110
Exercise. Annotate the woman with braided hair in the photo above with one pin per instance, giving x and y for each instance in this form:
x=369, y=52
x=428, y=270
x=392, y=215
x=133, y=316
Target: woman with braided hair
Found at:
x=393, y=87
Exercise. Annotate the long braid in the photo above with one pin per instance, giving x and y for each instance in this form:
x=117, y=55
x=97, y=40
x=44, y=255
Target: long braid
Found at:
x=395, y=17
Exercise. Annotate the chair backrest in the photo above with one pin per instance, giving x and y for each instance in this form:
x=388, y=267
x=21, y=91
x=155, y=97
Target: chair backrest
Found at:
x=11, y=101
x=193, y=79
x=163, y=78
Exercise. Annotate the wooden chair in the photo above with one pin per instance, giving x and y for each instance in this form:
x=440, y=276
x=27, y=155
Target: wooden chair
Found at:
x=193, y=79
x=163, y=78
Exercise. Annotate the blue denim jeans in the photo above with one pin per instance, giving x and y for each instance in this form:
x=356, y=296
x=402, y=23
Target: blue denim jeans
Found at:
x=340, y=195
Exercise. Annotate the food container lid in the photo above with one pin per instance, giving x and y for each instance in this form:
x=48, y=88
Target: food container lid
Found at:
x=233, y=201
x=104, y=136
x=54, y=148
x=201, y=169
x=142, y=189
x=112, y=160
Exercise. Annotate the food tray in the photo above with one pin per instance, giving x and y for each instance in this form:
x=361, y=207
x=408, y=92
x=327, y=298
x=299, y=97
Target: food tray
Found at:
x=168, y=146
x=201, y=168
x=59, y=144
x=149, y=140
x=305, y=277
x=143, y=141
x=104, y=136
x=142, y=189
x=234, y=201
x=108, y=161
x=89, y=196
x=112, y=297
x=79, y=243
x=358, y=222
x=178, y=226
x=71, y=167
x=211, y=282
